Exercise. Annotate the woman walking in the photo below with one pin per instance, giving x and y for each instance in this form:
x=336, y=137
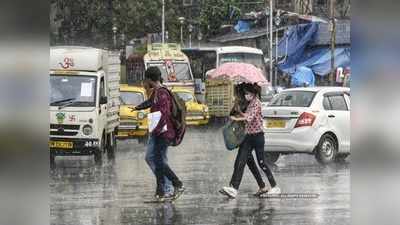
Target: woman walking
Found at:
x=254, y=140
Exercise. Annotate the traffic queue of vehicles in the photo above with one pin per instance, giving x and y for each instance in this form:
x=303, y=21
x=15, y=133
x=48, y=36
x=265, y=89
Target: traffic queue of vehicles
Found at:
x=89, y=108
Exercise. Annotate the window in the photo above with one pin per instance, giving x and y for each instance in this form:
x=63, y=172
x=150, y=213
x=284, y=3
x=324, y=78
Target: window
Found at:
x=338, y=102
x=182, y=71
x=327, y=104
x=131, y=98
x=335, y=102
x=74, y=90
x=102, y=88
x=186, y=97
x=252, y=58
x=293, y=99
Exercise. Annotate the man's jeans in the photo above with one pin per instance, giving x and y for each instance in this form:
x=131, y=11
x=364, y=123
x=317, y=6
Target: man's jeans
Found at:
x=150, y=159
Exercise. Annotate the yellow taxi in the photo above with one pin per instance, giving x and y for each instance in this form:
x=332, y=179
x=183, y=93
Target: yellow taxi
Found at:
x=133, y=124
x=197, y=113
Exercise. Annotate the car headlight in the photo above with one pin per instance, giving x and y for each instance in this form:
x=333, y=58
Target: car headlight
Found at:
x=140, y=115
x=87, y=130
x=206, y=109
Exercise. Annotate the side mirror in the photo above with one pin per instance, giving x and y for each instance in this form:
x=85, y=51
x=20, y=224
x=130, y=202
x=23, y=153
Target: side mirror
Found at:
x=103, y=100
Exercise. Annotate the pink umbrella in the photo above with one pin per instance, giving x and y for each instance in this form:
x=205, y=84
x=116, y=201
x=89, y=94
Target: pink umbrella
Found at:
x=240, y=72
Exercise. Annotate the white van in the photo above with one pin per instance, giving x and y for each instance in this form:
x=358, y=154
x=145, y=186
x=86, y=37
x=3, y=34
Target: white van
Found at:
x=84, y=101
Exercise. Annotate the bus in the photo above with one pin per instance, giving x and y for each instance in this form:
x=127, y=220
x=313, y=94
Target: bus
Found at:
x=205, y=59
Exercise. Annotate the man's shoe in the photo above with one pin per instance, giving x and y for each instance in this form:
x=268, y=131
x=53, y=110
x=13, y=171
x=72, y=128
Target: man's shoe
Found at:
x=178, y=191
x=260, y=192
x=230, y=191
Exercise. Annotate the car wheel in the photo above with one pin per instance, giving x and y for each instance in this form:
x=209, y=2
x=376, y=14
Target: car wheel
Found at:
x=98, y=155
x=326, y=150
x=341, y=157
x=52, y=160
x=272, y=157
x=111, y=146
x=143, y=140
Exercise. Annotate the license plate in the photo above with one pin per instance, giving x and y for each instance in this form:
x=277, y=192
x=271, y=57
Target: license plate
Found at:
x=274, y=123
x=61, y=144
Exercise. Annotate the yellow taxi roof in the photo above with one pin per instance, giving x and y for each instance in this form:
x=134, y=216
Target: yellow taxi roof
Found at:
x=180, y=89
x=125, y=87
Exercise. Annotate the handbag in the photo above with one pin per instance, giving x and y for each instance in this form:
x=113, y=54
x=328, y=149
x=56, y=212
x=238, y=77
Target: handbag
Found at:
x=234, y=134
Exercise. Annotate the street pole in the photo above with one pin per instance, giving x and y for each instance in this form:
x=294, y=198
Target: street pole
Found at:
x=271, y=36
x=190, y=35
x=181, y=34
x=163, y=22
x=182, y=21
x=333, y=42
x=276, y=59
x=114, y=29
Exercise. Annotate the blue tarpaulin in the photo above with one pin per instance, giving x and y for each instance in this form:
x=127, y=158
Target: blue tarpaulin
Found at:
x=303, y=77
x=319, y=61
x=296, y=46
x=242, y=26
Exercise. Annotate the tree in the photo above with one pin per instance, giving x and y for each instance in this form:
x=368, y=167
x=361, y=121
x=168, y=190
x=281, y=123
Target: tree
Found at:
x=90, y=22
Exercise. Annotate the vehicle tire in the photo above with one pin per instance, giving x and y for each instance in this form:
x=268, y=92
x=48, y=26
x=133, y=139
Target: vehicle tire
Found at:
x=52, y=160
x=111, y=145
x=143, y=140
x=341, y=157
x=98, y=155
x=326, y=150
x=271, y=157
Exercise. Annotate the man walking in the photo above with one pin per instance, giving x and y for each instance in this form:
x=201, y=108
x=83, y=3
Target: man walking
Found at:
x=156, y=156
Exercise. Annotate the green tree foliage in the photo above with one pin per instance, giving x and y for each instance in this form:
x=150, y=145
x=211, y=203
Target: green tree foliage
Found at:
x=215, y=13
x=90, y=22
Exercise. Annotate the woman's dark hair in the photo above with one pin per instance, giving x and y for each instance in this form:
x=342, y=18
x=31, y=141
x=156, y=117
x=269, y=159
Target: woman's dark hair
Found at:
x=153, y=73
x=253, y=88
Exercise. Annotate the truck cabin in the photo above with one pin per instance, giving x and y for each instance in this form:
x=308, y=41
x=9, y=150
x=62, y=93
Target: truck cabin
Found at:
x=173, y=64
x=77, y=78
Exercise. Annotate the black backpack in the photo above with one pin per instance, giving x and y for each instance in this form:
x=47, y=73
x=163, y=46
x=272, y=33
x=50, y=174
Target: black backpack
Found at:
x=178, y=117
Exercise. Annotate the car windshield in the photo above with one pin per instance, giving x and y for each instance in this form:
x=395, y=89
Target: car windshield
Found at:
x=131, y=98
x=251, y=58
x=174, y=72
x=293, y=99
x=72, y=90
x=185, y=96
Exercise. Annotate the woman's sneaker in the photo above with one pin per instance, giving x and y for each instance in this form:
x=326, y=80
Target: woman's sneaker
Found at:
x=274, y=191
x=229, y=191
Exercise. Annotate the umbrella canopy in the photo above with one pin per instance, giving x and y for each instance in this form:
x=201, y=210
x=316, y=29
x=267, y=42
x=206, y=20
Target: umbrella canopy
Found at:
x=240, y=72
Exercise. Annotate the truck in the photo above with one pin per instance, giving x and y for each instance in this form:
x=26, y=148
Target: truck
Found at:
x=84, y=101
x=173, y=63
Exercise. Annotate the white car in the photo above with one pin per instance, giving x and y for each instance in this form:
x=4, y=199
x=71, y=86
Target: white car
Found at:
x=314, y=120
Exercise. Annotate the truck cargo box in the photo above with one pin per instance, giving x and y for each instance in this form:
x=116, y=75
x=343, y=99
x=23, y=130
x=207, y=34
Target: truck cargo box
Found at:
x=220, y=97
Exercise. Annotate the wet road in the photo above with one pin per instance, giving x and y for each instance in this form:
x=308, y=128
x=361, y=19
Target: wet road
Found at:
x=113, y=193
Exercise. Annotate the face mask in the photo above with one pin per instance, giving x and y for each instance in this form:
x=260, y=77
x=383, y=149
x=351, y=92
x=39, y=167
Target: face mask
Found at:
x=248, y=97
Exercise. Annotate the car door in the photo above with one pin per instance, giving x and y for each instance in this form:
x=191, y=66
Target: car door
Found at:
x=338, y=112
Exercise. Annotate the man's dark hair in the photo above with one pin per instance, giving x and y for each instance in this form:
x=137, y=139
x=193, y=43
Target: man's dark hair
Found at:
x=153, y=73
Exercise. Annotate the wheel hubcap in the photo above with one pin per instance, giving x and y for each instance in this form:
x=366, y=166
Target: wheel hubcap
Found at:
x=327, y=148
